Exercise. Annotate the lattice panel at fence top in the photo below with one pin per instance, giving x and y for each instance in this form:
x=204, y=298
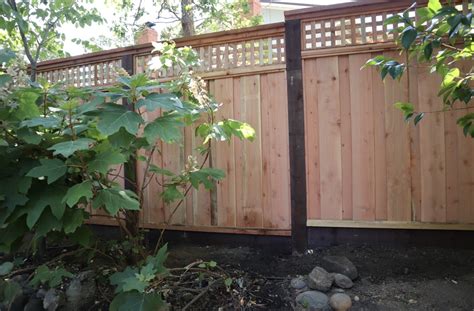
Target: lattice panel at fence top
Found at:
x=247, y=54
x=98, y=74
x=356, y=29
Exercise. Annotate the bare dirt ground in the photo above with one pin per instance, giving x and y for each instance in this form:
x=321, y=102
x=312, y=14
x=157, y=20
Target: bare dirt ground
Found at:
x=389, y=278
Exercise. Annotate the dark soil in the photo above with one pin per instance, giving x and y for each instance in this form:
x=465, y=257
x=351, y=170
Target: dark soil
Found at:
x=390, y=278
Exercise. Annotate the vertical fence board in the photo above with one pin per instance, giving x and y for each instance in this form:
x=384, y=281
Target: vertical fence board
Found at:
x=397, y=151
x=415, y=160
x=380, y=105
x=329, y=109
x=363, y=166
x=249, y=154
x=465, y=162
x=432, y=150
x=224, y=156
x=312, y=139
x=276, y=171
x=346, y=136
x=453, y=176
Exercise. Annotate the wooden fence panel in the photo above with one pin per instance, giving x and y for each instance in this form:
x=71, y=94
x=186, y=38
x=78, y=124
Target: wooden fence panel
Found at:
x=255, y=193
x=363, y=157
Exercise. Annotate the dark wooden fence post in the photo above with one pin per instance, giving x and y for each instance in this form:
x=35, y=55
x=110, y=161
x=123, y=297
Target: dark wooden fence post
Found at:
x=130, y=167
x=132, y=218
x=297, y=135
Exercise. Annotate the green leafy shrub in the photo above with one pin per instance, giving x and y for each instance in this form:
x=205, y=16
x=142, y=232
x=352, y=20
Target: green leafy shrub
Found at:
x=442, y=37
x=133, y=285
x=60, y=148
x=50, y=277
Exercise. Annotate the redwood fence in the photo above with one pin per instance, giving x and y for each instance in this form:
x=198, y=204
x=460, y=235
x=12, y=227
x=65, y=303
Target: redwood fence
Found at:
x=331, y=150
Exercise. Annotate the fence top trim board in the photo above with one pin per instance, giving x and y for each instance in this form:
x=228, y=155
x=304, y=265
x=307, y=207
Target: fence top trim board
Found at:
x=345, y=9
x=222, y=53
x=249, y=33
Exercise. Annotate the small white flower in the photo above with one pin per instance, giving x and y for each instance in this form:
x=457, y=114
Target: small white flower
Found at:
x=168, y=63
x=155, y=63
x=158, y=46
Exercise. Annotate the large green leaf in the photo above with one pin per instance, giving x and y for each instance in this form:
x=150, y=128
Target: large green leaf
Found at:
x=4, y=79
x=6, y=55
x=117, y=279
x=205, y=176
x=73, y=219
x=47, y=223
x=29, y=136
x=48, y=122
x=167, y=128
x=135, y=301
x=102, y=161
x=52, y=197
x=6, y=267
x=408, y=36
x=114, y=117
x=434, y=5
x=52, y=169
x=67, y=148
x=165, y=101
x=114, y=200
x=27, y=107
x=76, y=192
x=11, y=290
x=52, y=277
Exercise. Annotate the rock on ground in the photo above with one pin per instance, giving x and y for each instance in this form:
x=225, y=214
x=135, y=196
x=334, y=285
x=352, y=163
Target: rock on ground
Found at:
x=81, y=291
x=342, y=281
x=320, y=279
x=298, y=283
x=313, y=300
x=340, y=264
x=340, y=302
x=52, y=300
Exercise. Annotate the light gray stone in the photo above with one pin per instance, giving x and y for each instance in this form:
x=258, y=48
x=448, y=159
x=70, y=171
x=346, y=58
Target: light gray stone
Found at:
x=340, y=264
x=313, y=300
x=340, y=302
x=320, y=279
x=81, y=291
x=52, y=300
x=343, y=281
x=298, y=283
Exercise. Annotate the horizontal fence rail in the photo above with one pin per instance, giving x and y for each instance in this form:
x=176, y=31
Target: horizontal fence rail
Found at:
x=251, y=48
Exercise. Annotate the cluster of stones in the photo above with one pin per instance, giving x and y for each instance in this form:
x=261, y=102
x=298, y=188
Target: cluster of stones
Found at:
x=76, y=295
x=335, y=271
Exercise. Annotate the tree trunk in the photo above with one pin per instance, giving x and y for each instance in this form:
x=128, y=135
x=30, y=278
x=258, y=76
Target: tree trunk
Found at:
x=187, y=18
x=33, y=71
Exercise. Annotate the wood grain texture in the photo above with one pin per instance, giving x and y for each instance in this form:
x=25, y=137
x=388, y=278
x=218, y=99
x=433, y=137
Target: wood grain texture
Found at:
x=346, y=137
x=381, y=104
x=363, y=162
x=329, y=122
x=432, y=150
x=415, y=161
x=312, y=139
x=275, y=152
x=465, y=162
x=224, y=156
x=397, y=148
x=248, y=154
x=453, y=186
